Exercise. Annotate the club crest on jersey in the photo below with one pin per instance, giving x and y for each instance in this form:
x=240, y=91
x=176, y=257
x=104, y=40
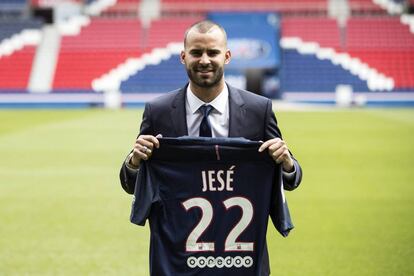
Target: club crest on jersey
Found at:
x=218, y=180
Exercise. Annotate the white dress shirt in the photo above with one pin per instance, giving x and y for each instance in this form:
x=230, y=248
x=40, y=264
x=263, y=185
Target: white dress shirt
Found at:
x=218, y=117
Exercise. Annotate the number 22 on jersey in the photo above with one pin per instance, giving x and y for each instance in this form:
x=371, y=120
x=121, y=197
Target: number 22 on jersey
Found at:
x=192, y=244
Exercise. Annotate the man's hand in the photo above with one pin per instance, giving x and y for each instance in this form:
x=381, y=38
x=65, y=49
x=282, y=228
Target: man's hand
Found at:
x=279, y=151
x=143, y=147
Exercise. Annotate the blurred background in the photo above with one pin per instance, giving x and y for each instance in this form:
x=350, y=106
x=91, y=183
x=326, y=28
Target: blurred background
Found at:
x=123, y=52
x=75, y=75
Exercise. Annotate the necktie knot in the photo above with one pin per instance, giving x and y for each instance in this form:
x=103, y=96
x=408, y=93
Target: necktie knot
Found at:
x=205, y=127
x=205, y=110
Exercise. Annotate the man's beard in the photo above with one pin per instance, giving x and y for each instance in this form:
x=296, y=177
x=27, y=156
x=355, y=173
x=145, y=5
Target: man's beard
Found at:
x=202, y=82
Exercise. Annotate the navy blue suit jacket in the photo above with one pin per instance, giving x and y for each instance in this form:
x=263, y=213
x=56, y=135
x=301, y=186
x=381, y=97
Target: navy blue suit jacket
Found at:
x=251, y=117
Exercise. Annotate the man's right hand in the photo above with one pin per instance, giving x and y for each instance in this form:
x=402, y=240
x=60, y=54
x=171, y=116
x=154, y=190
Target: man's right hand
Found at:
x=143, y=148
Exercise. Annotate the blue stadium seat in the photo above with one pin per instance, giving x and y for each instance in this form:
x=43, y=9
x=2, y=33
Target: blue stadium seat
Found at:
x=166, y=76
x=306, y=73
x=11, y=27
x=12, y=8
x=13, y=2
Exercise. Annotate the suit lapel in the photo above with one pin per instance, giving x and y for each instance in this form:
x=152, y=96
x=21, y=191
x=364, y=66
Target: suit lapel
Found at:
x=237, y=112
x=178, y=115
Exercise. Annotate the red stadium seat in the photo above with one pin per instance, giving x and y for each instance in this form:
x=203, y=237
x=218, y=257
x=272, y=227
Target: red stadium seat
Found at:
x=312, y=29
x=384, y=44
x=15, y=69
x=101, y=46
x=202, y=6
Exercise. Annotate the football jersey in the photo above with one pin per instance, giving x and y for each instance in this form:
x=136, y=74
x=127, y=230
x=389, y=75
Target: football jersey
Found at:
x=207, y=201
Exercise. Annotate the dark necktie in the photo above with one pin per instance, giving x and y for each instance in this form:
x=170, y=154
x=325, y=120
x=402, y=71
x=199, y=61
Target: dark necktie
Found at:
x=205, y=128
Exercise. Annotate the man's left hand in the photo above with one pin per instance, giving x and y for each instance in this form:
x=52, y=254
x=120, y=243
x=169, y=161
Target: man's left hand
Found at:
x=279, y=151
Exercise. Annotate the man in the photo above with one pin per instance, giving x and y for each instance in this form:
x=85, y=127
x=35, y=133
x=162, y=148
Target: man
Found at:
x=235, y=113
x=231, y=113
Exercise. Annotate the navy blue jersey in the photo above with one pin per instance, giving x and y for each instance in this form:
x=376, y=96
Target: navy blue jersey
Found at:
x=208, y=203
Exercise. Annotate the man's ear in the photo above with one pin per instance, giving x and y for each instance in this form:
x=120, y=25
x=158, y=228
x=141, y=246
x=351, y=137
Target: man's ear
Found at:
x=182, y=56
x=227, y=57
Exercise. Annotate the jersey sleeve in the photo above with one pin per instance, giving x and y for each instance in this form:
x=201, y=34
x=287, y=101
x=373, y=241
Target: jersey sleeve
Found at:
x=279, y=211
x=145, y=194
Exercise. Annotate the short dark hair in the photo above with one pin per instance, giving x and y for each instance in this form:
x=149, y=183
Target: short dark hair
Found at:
x=203, y=27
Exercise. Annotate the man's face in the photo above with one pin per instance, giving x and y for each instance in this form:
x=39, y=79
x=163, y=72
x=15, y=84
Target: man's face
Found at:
x=204, y=57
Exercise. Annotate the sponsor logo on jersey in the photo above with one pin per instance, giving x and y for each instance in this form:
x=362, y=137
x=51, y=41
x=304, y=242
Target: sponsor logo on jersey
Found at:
x=220, y=262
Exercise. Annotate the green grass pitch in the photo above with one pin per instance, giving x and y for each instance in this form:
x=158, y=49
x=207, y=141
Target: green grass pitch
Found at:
x=63, y=212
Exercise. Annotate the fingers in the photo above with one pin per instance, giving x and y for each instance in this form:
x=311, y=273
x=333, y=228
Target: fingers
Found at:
x=281, y=154
x=144, y=146
x=268, y=143
x=148, y=141
x=139, y=154
x=278, y=150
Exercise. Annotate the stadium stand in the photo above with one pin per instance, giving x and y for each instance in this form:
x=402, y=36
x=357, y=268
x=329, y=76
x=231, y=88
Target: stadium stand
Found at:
x=378, y=33
x=166, y=76
x=124, y=8
x=383, y=43
x=100, y=46
x=365, y=7
x=12, y=7
x=167, y=30
x=322, y=30
x=386, y=45
x=118, y=50
x=8, y=28
x=326, y=33
x=52, y=2
x=15, y=70
x=284, y=6
x=305, y=72
x=18, y=39
x=17, y=3
x=13, y=2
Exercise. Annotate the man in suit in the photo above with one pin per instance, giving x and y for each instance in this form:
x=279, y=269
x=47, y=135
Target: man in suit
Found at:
x=231, y=112
x=208, y=106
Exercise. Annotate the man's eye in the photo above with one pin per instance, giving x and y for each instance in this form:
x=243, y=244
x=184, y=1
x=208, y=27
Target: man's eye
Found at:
x=212, y=54
x=196, y=54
